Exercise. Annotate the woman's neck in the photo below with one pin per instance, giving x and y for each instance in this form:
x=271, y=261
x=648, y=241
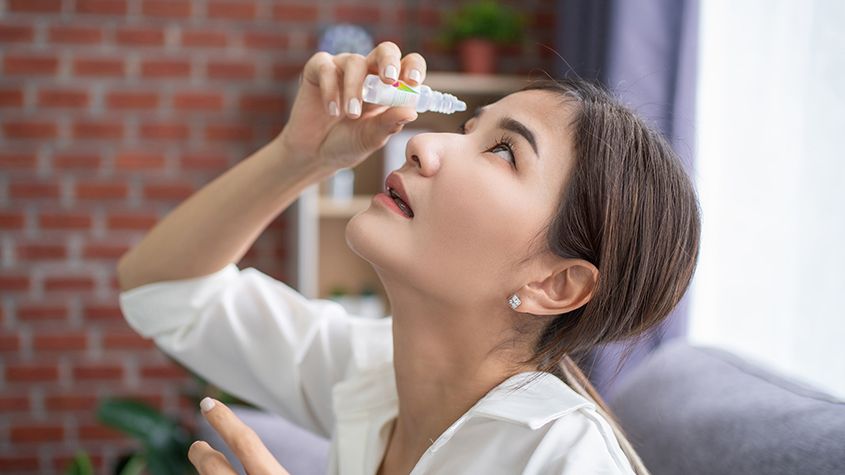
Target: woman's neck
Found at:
x=444, y=361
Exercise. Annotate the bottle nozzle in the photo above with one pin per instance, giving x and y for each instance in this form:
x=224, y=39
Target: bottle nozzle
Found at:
x=444, y=103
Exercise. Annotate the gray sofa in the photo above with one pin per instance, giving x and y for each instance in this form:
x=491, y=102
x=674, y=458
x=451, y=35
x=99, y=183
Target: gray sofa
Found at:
x=686, y=409
x=696, y=410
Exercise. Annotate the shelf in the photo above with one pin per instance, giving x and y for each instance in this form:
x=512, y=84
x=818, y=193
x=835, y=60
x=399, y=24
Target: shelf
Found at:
x=330, y=208
x=479, y=84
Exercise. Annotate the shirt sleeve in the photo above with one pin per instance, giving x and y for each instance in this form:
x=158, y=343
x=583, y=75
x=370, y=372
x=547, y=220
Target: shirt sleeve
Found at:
x=252, y=336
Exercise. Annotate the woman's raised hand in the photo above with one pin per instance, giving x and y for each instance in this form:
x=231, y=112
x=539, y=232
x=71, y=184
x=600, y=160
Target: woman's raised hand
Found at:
x=241, y=439
x=330, y=124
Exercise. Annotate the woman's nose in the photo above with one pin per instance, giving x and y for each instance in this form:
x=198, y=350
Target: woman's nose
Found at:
x=423, y=153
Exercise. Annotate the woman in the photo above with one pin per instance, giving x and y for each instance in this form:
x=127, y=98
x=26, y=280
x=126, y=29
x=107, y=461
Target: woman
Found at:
x=555, y=220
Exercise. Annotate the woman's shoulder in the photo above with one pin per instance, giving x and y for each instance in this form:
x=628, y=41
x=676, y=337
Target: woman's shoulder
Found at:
x=563, y=428
x=575, y=442
x=586, y=434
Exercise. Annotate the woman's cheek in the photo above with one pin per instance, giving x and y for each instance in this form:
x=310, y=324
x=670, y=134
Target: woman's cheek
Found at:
x=475, y=229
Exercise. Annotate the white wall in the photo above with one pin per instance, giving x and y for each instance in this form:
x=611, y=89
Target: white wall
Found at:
x=770, y=170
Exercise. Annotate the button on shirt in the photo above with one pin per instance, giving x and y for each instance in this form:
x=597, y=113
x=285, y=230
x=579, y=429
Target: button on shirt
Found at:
x=332, y=373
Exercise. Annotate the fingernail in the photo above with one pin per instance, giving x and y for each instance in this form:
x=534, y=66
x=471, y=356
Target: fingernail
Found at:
x=333, y=110
x=354, y=107
x=207, y=404
x=391, y=72
x=192, y=450
x=415, y=74
x=403, y=121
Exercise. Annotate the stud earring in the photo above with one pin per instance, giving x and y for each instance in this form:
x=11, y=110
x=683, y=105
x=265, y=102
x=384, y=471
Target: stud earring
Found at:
x=514, y=301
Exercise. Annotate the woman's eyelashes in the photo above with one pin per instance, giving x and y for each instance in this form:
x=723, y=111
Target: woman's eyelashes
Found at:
x=505, y=144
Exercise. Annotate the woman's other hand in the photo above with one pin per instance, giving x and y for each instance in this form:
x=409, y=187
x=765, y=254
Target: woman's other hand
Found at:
x=243, y=441
x=332, y=84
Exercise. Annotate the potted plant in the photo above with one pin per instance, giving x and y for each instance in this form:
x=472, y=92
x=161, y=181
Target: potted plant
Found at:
x=477, y=29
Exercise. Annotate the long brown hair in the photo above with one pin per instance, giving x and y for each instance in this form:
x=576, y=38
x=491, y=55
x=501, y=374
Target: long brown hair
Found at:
x=630, y=209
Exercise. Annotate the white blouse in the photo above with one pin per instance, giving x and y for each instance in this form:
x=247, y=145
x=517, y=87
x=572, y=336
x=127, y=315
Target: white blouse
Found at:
x=331, y=373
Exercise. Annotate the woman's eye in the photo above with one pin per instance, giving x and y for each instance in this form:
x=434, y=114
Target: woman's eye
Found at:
x=501, y=147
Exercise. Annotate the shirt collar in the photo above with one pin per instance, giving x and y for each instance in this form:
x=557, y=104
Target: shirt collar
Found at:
x=542, y=398
x=530, y=398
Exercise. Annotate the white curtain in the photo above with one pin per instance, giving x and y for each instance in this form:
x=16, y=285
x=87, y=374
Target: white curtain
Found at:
x=770, y=171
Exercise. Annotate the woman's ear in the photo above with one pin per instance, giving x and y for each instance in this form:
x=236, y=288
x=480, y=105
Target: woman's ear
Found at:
x=569, y=286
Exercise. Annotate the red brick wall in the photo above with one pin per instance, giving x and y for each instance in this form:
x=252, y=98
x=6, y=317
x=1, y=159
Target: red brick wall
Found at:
x=114, y=111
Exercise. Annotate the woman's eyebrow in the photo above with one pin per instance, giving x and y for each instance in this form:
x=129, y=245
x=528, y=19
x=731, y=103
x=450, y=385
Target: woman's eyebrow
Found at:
x=515, y=126
x=518, y=127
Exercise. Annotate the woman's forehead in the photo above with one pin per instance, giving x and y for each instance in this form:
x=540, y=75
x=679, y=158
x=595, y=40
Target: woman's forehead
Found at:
x=542, y=111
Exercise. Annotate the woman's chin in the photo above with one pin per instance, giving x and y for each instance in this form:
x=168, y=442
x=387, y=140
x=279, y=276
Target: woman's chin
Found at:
x=356, y=235
x=375, y=239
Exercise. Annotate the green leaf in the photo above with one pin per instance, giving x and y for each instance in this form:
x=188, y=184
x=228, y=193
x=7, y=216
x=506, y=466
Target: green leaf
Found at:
x=80, y=465
x=138, y=420
x=135, y=465
x=165, y=442
x=161, y=463
x=483, y=19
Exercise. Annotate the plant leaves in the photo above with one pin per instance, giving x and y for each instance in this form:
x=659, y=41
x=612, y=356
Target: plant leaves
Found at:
x=135, y=465
x=165, y=442
x=484, y=19
x=138, y=420
x=80, y=465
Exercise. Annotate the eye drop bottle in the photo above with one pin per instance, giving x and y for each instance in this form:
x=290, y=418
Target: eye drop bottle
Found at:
x=400, y=94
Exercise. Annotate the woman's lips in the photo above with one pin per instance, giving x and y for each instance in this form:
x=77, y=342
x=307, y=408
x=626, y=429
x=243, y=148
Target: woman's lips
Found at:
x=387, y=201
x=394, y=185
x=400, y=201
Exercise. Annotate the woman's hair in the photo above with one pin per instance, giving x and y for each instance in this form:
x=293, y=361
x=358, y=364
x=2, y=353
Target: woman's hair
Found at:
x=629, y=208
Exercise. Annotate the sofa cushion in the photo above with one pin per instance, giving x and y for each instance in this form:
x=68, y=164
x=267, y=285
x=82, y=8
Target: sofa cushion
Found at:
x=700, y=410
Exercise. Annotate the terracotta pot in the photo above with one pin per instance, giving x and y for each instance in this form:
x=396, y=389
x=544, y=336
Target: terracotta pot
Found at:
x=478, y=56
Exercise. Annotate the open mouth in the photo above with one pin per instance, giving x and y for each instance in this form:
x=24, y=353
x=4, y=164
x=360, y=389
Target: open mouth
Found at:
x=400, y=202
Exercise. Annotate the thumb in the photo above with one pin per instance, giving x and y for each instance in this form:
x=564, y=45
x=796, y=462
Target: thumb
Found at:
x=394, y=115
x=387, y=123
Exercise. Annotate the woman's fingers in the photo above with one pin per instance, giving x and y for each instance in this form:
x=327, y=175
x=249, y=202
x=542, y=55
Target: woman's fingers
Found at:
x=413, y=69
x=313, y=67
x=340, y=77
x=243, y=441
x=385, y=58
x=329, y=90
x=208, y=461
x=320, y=71
x=354, y=67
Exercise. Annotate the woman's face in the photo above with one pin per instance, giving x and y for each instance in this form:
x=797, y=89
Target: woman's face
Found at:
x=478, y=207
